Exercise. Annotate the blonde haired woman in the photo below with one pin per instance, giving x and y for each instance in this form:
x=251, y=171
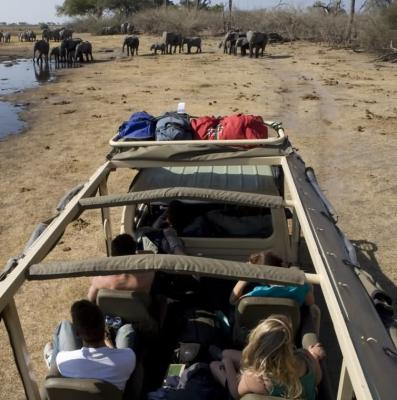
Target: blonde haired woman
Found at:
x=270, y=365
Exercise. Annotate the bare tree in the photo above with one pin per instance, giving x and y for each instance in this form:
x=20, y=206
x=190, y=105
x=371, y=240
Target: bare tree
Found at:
x=351, y=20
x=230, y=14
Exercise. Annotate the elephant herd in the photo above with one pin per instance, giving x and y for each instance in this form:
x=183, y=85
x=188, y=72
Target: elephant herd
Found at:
x=125, y=28
x=57, y=34
x=251, y=41
x=170, y=41
x=71, y=50
x=27, y=36
x=5, y=37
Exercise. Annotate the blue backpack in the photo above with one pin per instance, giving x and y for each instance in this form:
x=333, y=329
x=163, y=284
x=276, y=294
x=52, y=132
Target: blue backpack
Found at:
x=140, y=126
x=173, y=126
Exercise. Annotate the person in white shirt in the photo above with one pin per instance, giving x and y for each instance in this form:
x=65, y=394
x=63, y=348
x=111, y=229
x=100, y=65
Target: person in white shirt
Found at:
x=79, y=348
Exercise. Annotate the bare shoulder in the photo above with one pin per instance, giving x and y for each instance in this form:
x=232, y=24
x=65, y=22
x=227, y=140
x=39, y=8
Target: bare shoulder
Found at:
x=250, y=383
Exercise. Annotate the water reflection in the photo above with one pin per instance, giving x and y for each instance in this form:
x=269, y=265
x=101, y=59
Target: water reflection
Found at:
x=42, y=72
x=21, y=74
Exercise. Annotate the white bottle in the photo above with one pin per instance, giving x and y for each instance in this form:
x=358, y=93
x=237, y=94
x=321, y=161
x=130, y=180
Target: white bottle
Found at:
x=181, y=108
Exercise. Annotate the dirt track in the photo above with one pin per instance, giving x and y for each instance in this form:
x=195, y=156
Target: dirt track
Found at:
x=338, y=107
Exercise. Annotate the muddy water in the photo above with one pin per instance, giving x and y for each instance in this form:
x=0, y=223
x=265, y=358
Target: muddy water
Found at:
x=16, y=76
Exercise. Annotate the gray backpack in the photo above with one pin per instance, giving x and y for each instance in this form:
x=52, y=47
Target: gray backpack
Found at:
x=173, y=126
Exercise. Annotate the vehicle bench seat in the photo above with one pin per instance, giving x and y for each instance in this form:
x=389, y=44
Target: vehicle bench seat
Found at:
x=131, y=306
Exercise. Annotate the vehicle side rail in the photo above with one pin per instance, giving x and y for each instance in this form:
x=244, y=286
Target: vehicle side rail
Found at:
x=373, y=346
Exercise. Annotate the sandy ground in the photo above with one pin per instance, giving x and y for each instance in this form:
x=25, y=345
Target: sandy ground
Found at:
x=338, y=107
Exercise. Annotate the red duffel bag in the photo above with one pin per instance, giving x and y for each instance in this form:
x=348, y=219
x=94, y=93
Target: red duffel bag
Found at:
x=242, y=126
x=205, y=128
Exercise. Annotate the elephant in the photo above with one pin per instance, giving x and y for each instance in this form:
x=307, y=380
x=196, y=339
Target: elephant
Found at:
x=7, y=37
x=257, y=41
x=65, y=34
x=43, y=48
x=132, y=43
x=275, y=38
x=241, y=42
x=68, y=47
x=1, y=36
x=55, y=34
x=109, y=30
x=172, y=39
x=158, y=47
x=56, y=53
x=123, y=27
x=81, y=49
x=27, y=36
x=229, y=42
x=126, y=28
x=50, y=34
x=192, y=42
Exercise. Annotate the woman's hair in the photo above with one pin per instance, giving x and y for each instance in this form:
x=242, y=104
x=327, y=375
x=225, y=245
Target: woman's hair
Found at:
x=269, y=355
x=266, y=258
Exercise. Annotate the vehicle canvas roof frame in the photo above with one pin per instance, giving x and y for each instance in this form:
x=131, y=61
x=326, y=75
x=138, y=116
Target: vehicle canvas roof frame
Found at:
x=199, y=194
x=182, y=264
x=345, y=298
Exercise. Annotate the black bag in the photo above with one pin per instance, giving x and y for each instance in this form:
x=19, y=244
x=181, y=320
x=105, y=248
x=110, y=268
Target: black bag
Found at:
x=202, y=328
x=173, y=126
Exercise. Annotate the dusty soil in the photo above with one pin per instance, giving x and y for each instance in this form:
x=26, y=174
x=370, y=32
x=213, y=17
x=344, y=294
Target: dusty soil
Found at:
x=338, y=107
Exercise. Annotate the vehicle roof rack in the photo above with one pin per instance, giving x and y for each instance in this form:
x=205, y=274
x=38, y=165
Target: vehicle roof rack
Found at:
x=278, y=136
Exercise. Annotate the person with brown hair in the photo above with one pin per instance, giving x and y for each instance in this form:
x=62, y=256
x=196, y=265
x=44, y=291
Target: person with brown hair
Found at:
x=78, y=349
x=303, y=294
x=270, y=365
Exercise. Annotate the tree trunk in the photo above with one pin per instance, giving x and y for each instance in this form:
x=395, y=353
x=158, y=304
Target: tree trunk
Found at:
x=351, y=21
x=230, y=14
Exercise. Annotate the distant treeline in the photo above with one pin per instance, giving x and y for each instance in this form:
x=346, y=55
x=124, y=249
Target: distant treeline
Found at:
x=370, y=30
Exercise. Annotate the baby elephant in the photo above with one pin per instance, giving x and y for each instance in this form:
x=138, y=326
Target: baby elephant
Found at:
x=56, y=53
x=243, y=44
x=81, y=49
x=192, y=42
x=158, y=47
x=132, y=43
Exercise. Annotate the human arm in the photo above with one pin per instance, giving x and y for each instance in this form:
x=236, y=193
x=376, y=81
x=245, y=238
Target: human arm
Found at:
x=92, y=292
x=237, y=292
x=231, y=377
x=174, y=242
x=316, y=353
x=309, y=298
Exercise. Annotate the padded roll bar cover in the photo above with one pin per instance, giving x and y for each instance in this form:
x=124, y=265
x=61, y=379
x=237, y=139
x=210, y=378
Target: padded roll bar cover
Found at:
x=130, y=306
x=80, y=389
x=252, y=396
x=251, y=310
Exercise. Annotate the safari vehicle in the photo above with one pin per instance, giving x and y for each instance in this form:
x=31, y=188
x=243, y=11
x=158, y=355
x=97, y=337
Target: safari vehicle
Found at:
x=245, y=184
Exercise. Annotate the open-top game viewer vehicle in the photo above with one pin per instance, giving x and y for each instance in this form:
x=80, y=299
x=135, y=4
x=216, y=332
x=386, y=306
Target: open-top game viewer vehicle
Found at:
x=255, y=195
